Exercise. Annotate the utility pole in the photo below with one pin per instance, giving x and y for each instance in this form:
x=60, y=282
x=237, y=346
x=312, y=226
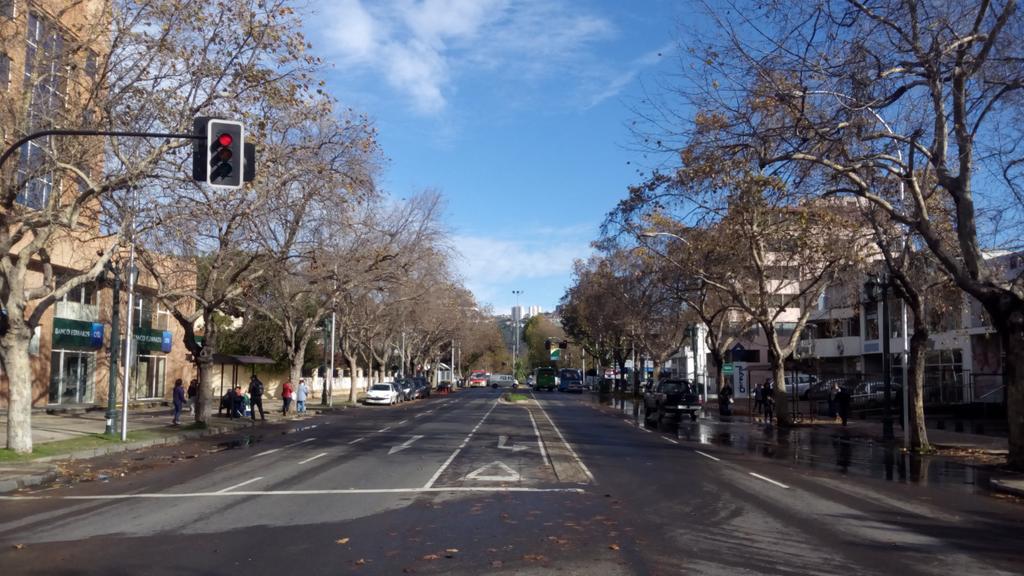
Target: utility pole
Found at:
x=516, y=314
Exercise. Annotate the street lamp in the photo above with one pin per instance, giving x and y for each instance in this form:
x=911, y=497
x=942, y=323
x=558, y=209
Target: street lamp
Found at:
x=656, y=233
x=516, y=314
x=872, y=287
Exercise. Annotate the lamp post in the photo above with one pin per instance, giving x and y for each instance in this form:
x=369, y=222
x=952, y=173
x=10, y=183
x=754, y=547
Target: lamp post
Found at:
x=517, y=313
x=872, y=287
x=133, y=274
x=115, y=351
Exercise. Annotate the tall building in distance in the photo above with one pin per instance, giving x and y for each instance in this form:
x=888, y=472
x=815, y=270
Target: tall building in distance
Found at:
x=534, y=310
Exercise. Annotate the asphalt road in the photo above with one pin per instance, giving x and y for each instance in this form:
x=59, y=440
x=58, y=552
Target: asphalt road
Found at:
x=467, y=484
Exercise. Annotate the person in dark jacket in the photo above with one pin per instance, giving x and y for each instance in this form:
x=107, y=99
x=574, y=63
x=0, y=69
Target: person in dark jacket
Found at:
x=193, y=394
x=238, y=403
x=768, y=398
x=256, y=397
x=725, y=400
x=228, y=402
x=843, y=404
x=179, y=401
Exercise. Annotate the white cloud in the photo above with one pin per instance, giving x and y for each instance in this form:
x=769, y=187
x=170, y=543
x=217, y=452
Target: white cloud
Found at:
x=421, y=46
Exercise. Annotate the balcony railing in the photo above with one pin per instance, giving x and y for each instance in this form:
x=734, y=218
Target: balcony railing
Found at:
x=78, y=311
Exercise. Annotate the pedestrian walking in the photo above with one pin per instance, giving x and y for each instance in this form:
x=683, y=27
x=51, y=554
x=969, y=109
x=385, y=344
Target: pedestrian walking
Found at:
x=179, y=401
x=193, y=394
x=725, y=400
x=300, y=396
x=843, y=404
x=768, y=400
x=832, y=391
x=758, y=400
x=256, y=397
x=286, y=396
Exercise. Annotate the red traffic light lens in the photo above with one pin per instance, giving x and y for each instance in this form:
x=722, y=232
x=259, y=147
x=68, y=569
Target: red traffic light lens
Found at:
x=225, y=140
x=224, y=154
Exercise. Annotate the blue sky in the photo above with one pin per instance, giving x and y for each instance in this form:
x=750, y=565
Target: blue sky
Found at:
x=515, y=110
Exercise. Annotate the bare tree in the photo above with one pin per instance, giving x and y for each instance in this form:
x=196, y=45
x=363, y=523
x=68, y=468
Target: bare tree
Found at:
x=122, y=66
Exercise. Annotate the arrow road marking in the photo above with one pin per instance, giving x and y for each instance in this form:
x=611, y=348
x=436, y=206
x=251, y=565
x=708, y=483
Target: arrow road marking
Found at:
x=509, y=475
x=404, y=445
x=504, y=445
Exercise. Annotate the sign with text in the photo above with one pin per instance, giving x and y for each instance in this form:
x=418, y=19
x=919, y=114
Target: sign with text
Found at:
x=69, y=333
x=153, y=340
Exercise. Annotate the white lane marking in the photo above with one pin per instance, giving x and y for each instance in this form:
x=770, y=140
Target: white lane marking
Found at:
x=168, y=495
x=567, y=445
x=357, y=440
x=292, y=445
x=505, y=474
x=313, y=457
x=708, y=456
x=670, y=440
x=420, y=415
x=448, y=462
x=404, y=445
x=504, y=445
x=384, y=429
x=642, y=429
x=766, y=479
x=630, y=422
x=540, y=443
x=402, y=422
x=240, y=484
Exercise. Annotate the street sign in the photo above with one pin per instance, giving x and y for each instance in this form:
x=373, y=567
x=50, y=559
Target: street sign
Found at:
x=727, y=368
x=556, y=354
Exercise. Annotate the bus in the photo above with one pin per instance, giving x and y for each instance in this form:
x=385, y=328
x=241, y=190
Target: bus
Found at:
x=545, y=378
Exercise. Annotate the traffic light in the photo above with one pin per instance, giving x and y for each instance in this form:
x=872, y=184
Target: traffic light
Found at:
x=563, y=344
x=225, y=141
x=220, y=155
x=547, y=344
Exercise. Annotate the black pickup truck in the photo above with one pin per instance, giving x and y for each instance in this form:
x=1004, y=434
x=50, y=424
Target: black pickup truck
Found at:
x=673, y=397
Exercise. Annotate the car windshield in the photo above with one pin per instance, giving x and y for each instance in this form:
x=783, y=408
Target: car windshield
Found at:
x=380, y=387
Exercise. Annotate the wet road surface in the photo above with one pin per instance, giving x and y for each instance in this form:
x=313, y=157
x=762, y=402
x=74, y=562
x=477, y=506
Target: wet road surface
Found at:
x=467, y=484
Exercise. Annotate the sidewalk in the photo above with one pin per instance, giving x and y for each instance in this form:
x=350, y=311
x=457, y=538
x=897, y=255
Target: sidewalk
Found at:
x=75, y=436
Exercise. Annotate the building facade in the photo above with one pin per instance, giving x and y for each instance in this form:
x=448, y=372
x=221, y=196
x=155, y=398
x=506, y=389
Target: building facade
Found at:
x=71, y=349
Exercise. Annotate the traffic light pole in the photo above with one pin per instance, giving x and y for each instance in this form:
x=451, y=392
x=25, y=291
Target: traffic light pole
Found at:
x=78, y=132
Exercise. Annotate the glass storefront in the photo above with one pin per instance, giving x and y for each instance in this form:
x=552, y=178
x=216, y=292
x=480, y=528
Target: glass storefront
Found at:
x=72, y=374
x=148, y=377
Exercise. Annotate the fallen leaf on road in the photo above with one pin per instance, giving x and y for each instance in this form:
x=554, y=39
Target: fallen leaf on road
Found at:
x=452, y=550
x=18, y=546
x=341, y=541
x=431, y=557
x=613, y=546
x=496, y=564
x=536, y=557
x=360, y=562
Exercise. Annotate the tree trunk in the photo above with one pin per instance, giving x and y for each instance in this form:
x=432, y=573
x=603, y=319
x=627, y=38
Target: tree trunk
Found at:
x=915, y=388
x=353, y=395
x=1013, y=343
x=206, y=399
x=14, y=352
x=719, y=360
x=782, y=412
x=295, y=368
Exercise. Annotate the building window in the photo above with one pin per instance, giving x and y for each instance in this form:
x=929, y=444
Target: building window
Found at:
x=5, y=72
x=143, y=312
x=149, y=377
x=162, y=319
x=46, y=77
x=7, y=9
x=72, y=373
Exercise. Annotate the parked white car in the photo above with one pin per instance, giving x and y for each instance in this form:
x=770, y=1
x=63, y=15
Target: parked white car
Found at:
x=382, y=393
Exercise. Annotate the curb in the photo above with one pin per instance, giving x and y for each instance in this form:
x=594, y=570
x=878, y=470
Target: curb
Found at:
x=1004, y=486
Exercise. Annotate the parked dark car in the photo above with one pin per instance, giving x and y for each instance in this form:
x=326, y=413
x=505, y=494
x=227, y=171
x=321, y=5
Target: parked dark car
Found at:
x=422, y=387
x=405, y=388
x=669, y=398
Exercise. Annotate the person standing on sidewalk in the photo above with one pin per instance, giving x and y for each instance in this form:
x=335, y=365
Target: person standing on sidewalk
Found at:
x=286, y=396
x=179, y=401
x=725, y=400
x=256, y=397
x=193, y=392
x=768, y=399
x=843, y=403
x=300, y=396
